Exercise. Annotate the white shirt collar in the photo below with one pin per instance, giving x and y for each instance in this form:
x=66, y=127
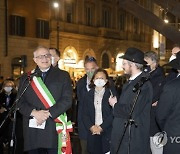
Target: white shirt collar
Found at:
x=88, y=83
x=135, y=76
x=45, y=70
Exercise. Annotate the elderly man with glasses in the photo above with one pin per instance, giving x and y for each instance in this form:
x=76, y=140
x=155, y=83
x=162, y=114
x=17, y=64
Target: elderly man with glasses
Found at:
x=43, y=106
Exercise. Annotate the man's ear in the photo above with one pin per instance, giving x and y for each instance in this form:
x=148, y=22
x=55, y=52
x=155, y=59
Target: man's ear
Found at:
x=34, y=60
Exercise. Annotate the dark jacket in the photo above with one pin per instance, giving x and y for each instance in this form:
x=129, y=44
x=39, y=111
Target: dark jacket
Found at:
x=6, y=128
x=59, y=84
x=89, y=120
x=3, y=97
x=139, y=143
x=157, y=79
x=168, y=115
x=81, y=92
x=171, y=75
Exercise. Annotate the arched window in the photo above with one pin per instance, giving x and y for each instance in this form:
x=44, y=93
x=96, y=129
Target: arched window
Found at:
x=105, y=61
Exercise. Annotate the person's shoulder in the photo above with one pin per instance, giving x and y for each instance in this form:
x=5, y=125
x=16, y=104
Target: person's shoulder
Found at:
x=25, y=75
x=2, y=92
x=56, y=69
x=90, y=93
x=173, y=83
x=157, y=73
x=147, y=86
x=82, y=80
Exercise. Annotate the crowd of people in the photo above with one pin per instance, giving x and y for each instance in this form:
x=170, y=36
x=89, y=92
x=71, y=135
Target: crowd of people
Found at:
x=141, y=117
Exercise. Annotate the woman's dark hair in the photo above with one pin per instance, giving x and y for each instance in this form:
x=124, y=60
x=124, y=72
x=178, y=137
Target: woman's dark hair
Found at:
x=92, y=85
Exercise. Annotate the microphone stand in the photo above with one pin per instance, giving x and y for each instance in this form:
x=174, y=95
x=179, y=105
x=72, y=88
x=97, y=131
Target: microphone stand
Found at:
x=130, y=121
x=13, y=109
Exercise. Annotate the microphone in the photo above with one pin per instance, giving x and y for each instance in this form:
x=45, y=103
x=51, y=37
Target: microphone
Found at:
x=140, y=83
x=36, y=73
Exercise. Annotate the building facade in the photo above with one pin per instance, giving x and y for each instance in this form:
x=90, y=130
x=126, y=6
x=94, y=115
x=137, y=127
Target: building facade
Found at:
x=78, y=28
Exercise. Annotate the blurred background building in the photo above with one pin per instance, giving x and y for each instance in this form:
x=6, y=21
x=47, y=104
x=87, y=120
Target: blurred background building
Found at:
x=79, y=28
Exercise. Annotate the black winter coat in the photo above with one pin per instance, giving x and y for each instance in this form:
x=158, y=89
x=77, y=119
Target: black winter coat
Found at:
x=168, y=115
x=157, y=79
x=139, y=142
x=89, y=120
x=81, y=92
x=59, y=84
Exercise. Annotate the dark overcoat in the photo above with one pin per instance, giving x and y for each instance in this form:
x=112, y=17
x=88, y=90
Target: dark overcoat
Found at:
x=157, y=79
x=81, y=92
x=59, y=84
x=3, y=97
x=139, y=138
x=6, y=129
x=168, y=115
x=89, y=120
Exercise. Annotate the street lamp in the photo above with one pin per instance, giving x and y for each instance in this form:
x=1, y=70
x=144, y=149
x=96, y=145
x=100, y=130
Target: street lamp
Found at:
x=56, y=7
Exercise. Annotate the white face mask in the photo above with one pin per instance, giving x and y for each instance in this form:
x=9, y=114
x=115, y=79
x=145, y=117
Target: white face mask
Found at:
x=99, y=82
x=172, y=58
x=8, y=89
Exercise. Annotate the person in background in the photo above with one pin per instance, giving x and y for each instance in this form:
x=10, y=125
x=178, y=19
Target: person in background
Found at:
x=157, y=79
x=82, y=87
x=136, y=137
x=43, y=106
x=168, y=111
x=55, y=56
x=173, y=72
x=97, y=113
x=7, y=98
x=174, y=51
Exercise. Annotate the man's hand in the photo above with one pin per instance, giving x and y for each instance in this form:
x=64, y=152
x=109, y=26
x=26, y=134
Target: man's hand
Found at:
x=99, y=130
x=40, y=116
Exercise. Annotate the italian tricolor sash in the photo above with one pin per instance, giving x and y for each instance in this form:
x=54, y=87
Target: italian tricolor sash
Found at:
x=63, y=127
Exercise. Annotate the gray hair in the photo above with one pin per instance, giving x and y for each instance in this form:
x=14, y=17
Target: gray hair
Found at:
x=138, y=66
x=152, y=55
x=40, y=47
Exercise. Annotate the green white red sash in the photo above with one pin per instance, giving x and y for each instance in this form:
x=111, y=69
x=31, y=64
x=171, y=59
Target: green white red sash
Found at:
x=63, y=127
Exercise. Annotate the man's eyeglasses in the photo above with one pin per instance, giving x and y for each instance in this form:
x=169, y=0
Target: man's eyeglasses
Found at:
x=43, y=56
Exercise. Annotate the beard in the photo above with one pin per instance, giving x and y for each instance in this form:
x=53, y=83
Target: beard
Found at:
x=128, y=71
